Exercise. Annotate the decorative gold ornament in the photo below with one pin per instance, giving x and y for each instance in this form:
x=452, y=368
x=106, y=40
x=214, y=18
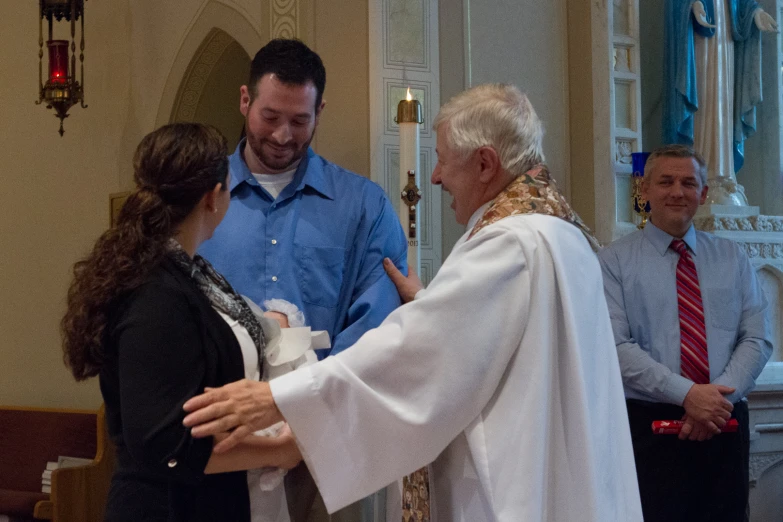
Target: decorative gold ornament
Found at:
x=410, y=196
x=640, y=204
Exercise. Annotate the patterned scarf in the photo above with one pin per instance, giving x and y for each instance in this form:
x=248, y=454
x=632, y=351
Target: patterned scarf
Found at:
x=220, y=293
x=534, y=192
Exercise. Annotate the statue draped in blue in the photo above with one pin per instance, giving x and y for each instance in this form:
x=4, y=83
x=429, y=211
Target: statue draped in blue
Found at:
x=680, y=97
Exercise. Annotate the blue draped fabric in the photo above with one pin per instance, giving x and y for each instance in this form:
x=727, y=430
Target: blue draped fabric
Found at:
x=680, y=97
x=747, y=74
x=679, y=72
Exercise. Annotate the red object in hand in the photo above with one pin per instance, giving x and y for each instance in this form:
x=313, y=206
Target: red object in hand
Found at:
x=673, y=427
x=58, y=61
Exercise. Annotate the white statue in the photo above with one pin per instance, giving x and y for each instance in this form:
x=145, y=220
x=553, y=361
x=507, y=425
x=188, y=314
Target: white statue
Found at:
x=713, y=78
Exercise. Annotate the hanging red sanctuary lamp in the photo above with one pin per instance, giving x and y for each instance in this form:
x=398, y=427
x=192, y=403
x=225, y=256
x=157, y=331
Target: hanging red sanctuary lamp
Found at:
x=61, y=90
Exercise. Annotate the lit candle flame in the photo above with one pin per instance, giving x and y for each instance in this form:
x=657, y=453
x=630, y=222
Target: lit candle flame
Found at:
x=408, y=96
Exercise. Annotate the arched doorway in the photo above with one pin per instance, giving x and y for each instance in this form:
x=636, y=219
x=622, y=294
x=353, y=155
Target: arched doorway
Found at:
x=209, y=89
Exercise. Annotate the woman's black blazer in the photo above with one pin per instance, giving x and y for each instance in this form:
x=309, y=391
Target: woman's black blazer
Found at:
x=163, y=344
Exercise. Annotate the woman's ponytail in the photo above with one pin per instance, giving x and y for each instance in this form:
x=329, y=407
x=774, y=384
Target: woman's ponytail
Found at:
x=174, y=167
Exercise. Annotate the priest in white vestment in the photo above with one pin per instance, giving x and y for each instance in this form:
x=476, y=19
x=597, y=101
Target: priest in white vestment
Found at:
x=502, y=372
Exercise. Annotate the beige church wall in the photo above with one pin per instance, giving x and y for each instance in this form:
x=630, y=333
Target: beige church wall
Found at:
x=581, y=111
x=592, y=191
x=54, y=201
x=340, y=37
x=524, y=43
x=165, y=37
x=453, y=80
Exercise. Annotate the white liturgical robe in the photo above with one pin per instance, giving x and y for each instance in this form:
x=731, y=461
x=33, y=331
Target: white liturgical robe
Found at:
x=503, y=371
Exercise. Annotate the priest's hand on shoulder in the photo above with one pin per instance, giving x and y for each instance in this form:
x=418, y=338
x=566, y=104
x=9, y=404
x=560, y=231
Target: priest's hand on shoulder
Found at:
x=407, y=287
x=240, y=408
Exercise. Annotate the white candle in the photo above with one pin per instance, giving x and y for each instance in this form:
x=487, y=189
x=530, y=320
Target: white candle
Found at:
x=409, y=117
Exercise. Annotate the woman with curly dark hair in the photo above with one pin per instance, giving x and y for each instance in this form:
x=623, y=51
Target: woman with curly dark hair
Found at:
x=157, y=324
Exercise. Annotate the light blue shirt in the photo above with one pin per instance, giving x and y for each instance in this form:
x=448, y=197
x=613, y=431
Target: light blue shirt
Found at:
x=640, y=284
x=320, y=245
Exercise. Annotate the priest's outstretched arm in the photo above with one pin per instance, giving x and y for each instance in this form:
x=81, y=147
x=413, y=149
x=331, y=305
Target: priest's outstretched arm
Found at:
x=394, y=401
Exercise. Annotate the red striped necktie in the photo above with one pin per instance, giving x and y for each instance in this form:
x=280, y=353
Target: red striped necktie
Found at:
x=694, y=363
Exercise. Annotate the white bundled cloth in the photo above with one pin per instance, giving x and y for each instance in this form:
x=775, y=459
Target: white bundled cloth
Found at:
x=286, y=350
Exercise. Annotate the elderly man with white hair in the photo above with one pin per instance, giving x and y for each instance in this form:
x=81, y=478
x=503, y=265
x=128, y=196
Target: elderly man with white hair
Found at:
x=502, y=372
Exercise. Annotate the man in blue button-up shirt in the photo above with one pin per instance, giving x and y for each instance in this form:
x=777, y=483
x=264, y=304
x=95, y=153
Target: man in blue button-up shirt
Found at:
x=702, y=473
x=299, y=227
x=318, y=238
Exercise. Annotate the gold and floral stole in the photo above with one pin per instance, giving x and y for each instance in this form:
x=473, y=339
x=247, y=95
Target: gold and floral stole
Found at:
x=534, y=192
x=416, y=496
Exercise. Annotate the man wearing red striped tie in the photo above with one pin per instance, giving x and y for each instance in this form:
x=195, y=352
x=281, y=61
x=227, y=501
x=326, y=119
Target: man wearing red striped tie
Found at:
x=692, y=334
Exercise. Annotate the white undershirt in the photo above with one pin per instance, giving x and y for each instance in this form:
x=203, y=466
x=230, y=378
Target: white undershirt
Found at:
x=275, y=183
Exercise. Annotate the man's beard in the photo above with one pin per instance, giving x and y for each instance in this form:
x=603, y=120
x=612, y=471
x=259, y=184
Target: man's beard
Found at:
x=273, y=163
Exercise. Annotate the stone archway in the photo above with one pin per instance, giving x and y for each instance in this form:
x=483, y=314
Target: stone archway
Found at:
x=209, y=89
x=220, y=40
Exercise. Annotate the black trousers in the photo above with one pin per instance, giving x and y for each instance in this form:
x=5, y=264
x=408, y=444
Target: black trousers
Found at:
x=689, y=480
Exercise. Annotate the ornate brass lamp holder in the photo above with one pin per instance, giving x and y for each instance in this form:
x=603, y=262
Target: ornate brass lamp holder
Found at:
x=61, y=90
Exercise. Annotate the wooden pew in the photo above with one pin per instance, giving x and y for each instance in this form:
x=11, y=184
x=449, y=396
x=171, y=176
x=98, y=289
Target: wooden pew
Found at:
x=31, y=437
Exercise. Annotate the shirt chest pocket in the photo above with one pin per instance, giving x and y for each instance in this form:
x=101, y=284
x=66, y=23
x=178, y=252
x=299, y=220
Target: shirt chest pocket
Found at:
x=320, y=271
x=723, y=308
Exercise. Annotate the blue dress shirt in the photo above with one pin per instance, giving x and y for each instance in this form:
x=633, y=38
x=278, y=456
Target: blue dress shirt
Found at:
x=320, y=245
x=640, y=283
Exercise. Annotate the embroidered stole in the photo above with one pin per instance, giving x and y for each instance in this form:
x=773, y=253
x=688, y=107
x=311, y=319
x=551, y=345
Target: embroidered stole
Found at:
x=534, y=192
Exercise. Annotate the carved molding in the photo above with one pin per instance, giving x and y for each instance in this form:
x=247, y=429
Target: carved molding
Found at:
x=756, y=246
x=284, y=18
x=763, y=250
x=623, y=150
x=761, y=462
x=621, y=59
x=406, y=34
x=427, y=270
x=199, y=70
x=740, y=223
